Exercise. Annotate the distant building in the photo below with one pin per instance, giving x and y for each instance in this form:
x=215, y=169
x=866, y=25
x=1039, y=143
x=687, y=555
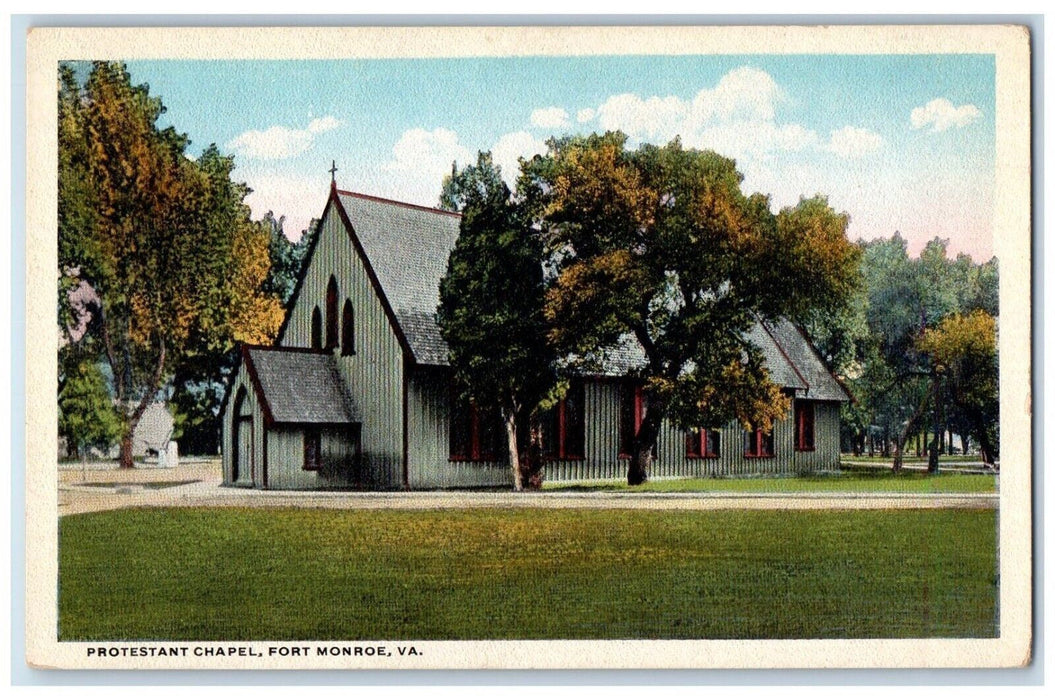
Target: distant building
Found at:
x=357, y=391
x=154, y=430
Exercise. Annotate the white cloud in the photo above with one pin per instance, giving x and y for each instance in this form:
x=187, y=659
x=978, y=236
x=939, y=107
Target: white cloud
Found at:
x=549, y=118
x=509, y=148
x=940, y=114
x=279, y=142
x=327, y=123
x=852, y=142
x=651, y=118
x=297, y=198
x=420, y=160
x=736, y=117
x=742, y=95
x=585, y=115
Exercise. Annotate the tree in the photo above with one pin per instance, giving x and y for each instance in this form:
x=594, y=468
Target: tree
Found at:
x=287, y=257
x=660, y=246
x=908, y=297
x=491, y=303
x=164, y=241
x=87, y=417
x=963, y=350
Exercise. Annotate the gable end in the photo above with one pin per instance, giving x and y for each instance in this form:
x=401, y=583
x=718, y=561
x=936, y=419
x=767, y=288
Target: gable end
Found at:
x=335, y=202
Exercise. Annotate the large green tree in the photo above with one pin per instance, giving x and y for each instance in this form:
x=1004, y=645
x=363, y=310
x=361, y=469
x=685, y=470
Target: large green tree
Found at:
x=165, y=241
x=963, y=350
x=901, y=385
x=491, y=308
x=660, y=246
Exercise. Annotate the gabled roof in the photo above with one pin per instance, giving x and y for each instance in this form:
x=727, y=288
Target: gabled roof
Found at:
x=407, y=246
x=821, y=383
x=299, y=386
x=790, y=359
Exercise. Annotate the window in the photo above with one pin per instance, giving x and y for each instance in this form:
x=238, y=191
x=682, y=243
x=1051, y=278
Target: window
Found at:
x=348, y=329
x=316, y=329
x=758, y=444
x=632, y=406
x=331, y=314
x=804, y=426
x=702, y=443
x=563, y=427
x=475, y=435
x=312, y=449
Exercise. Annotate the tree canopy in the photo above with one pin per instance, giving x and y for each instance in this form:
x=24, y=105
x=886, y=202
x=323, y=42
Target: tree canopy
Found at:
x=894, y=373
x=491, y=306
x=660, y=246
x=165, y=241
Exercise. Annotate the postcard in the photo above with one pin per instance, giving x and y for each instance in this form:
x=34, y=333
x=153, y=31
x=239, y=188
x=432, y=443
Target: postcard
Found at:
x=528, y=347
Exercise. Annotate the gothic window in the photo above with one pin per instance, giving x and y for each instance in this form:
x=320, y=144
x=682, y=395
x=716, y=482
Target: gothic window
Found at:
x=348, y=329
x=316, y=329
x=331, y=314
x=804, y=426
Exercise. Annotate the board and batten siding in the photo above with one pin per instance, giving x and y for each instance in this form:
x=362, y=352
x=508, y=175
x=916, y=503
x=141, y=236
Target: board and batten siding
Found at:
x=825, y=455
x=246, y=477
x=671, y=459
x=428, y=428
x=285, y=448
x=374, y=374
x=430, y=466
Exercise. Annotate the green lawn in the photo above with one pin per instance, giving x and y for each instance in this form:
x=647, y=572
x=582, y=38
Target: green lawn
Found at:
x=856, y=481
x=284, y=574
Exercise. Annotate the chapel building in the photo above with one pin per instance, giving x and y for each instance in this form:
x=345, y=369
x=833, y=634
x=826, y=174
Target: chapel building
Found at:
x=356, y=391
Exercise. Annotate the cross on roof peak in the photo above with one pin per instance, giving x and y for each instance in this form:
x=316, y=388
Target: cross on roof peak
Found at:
x=333, y=172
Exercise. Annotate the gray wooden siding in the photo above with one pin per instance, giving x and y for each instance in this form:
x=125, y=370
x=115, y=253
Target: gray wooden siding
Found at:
x=430, y=467
x=825, y=456
x=285, y=448
x=285, y=460
x=428, y=426
x=245, y=477
x=374, y=374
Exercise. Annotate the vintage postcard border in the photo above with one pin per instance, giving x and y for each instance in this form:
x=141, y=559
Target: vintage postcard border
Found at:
x=1009, y=45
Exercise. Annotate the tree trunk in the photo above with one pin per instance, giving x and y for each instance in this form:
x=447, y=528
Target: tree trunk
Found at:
x=133, y=420
x=938, y=444
x=986, y=448
x=644, y=445
x=910, y=426
x=531, y=462
x=509, y=418
x=126, y=448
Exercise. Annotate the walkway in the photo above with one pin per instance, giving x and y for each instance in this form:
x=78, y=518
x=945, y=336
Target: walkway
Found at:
x=115, y=489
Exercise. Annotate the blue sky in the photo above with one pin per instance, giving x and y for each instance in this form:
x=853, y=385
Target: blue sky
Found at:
x=899, y=142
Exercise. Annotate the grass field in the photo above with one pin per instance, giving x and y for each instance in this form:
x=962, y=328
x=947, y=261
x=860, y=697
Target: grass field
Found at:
x=865, y=481
x=283, y=574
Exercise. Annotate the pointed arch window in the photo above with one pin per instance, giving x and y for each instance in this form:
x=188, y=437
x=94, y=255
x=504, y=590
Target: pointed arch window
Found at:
x=316, y=329
x=331, y=313
x=348, y=329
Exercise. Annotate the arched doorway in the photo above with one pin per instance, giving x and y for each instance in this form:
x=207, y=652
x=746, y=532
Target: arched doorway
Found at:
x=242, y=438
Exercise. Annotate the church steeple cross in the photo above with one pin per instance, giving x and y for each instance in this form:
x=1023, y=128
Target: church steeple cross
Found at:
x=333, y=173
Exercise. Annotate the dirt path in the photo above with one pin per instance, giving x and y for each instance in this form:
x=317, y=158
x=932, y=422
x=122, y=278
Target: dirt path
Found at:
x=110, y=490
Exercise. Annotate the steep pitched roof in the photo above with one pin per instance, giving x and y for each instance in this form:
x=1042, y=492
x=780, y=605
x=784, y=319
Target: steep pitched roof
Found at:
x=407, y=247
x=628, y=356
x=821, y=384
x=298, y=386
